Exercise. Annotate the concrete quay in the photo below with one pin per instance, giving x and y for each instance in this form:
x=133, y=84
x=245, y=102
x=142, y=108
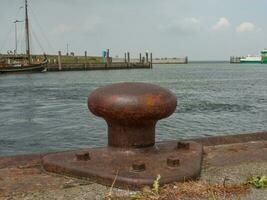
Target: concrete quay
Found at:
x=234, y=157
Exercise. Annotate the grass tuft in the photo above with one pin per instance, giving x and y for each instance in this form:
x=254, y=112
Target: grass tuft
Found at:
x=257, y=181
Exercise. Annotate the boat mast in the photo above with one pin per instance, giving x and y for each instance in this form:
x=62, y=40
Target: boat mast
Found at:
x=16, y=36
x=28, y=52
x=16, y=39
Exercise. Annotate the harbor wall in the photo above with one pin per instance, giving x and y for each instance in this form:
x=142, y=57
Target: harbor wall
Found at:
x=77, y=63
x=96, y=66
x=54, y=59
x=183, y=60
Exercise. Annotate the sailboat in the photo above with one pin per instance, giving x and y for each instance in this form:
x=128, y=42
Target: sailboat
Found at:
x=23, y=63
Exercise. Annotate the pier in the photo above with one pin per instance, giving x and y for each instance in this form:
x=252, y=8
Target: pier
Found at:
x=73, y=62
x=183, y=60
x=95, y=66
x=79, y=63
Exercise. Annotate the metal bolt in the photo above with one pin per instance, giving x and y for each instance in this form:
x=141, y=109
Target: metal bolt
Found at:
x=139, y=166
x=183, y=145
x=82, y=156
x=173, y=161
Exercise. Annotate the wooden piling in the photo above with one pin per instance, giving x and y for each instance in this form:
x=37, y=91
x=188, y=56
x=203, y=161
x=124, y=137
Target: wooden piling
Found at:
x=59, y=61
x=128, y=57
x=151, y=60
x=146, y=57
x=108, y=59
x=86, y=61
x=125, y=57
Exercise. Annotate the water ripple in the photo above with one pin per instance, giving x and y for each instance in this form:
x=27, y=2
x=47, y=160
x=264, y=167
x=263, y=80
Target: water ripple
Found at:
x=206, y=106
x=48, y=112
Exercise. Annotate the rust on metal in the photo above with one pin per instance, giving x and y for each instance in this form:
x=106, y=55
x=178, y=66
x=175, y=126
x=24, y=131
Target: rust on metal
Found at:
x=138, y=166
x=173, y=161
x=110, y=163
x=131, y=111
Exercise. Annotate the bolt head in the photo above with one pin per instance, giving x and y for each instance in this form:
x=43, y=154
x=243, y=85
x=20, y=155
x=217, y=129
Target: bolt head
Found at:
x=173, y=161
x=138, y=166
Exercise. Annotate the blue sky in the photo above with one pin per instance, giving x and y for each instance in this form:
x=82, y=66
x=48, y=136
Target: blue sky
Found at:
x=200, y=29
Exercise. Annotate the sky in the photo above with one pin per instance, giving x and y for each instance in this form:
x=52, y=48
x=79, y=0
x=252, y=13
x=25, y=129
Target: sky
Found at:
x=199, y=29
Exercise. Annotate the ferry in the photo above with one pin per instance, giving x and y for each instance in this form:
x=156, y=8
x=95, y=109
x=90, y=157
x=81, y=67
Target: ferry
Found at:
x=255, y=59
x=251, y=59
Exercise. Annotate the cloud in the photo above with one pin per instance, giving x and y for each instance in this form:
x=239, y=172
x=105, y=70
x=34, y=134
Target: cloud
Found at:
x=245, y=27
x=187, y=26
x=222, y=24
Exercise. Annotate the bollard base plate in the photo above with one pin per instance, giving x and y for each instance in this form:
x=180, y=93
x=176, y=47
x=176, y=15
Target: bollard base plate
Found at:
x=131, y=168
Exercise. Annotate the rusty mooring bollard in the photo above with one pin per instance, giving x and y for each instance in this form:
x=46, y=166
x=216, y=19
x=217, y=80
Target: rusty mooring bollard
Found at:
x=131, y=111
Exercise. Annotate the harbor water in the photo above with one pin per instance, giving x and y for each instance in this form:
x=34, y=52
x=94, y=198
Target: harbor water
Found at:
x=48, y=111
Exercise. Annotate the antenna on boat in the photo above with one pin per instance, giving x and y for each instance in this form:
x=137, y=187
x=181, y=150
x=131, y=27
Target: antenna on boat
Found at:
x=28, y=52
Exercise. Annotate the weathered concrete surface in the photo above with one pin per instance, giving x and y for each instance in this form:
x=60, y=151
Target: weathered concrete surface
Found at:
x=25, y=179
x=234, y=163
x=22, y=177
x=234, y=154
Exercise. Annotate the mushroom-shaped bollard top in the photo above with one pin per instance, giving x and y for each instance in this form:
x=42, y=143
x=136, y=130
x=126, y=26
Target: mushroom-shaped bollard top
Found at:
x=131, y=111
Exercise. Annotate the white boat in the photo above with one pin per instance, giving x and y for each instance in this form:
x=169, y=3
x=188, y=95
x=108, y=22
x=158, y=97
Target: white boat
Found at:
x=251, y=59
